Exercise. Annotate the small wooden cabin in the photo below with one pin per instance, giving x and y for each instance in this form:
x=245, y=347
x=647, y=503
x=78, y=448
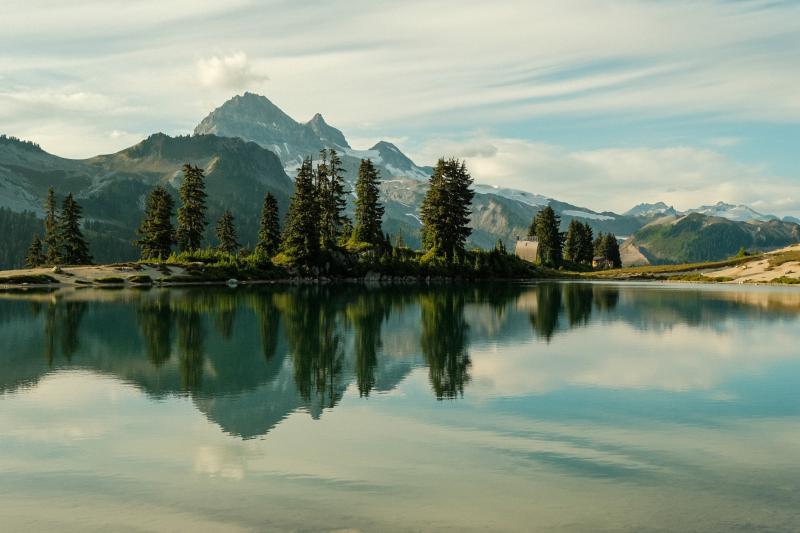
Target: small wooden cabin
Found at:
x=601, y=263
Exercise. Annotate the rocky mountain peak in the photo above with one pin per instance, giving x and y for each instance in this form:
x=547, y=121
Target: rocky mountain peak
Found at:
x=327, y=133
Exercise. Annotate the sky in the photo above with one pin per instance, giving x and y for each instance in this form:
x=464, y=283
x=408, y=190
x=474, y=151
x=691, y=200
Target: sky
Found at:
x=603, y=104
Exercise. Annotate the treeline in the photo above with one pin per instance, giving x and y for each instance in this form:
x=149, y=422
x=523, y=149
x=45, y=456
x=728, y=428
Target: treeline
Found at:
x=63, y=241
x=317, y=237
x=578, y=247
x=17, y=229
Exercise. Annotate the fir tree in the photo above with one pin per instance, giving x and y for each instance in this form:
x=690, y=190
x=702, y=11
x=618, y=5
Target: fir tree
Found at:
x=157, y=233
x=331, y=196
x=598, y=245
x=612, y=250
x=369, y=210
x=269, y=231
x=74, y=249
x=301, y=238
x=572, y=243
x=585, y=244
x=446, y=208
x=192, y=213
x=226, y=234
x=51, y=228
x=545, y=227
x=35, y=258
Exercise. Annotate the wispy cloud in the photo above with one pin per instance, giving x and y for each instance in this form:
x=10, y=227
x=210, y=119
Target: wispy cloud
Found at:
x=428, y=71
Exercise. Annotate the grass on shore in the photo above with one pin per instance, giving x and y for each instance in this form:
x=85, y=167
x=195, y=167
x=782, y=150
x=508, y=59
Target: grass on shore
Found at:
x=661, y=270
x=776, y=260
x=31, y=279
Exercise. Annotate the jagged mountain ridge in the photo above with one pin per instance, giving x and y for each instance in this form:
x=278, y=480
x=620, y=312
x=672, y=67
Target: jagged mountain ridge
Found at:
x=498, y=213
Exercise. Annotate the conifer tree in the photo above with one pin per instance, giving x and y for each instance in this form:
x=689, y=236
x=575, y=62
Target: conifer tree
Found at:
x=612, y=250
x=446, y=208
x=545, y=227
x=51, y=228
x=74, y=249
x=598, y=245
x=301, y=239
x=226, y=234
x=192, y=213
x=35, y=258
x=269, y=231
x=157, y=233
x=573, y=241
x=369, y=210
x=331, y=195
x=586, y=245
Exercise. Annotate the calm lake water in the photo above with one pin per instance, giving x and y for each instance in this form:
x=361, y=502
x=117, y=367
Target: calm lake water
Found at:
x=543, y=407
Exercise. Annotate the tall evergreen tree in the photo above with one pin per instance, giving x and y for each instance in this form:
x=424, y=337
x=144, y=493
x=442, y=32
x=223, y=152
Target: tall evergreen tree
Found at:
x=369, y=210
x=598, y=245
x=269, y=231
x=545, y=227
x=586, y=245
x=446, y=208
x=157, y=233
x=572, y=243
x=331, y=195
x=35, y=257
x=301, y=238
x=74, y=249
x=51, y=228
x=612, y=250
x=226, y=234
x=192, y=213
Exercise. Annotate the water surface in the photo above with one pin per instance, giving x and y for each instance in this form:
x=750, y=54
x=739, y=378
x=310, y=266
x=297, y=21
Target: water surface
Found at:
x=552, y=407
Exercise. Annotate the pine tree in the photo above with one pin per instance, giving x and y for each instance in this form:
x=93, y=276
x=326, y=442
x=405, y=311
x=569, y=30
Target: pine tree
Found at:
x=446, y=209
x=74, y=249
x=157, y=233
x=226, y=234
x=301, y=238
x=585, y=245
x=331, y=195
x=35, y=258
x=269, y=231
x=598, y=245
x=545, y=227
x=192, y=213
x=612, y=250
x=51, y=228
x=369, y=210
x=572, y=243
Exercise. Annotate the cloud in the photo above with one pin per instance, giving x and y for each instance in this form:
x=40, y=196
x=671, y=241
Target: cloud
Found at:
x=618, y=178
x=229, y=72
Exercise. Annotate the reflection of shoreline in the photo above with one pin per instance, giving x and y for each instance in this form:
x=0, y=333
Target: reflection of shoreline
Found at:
x=248, y=357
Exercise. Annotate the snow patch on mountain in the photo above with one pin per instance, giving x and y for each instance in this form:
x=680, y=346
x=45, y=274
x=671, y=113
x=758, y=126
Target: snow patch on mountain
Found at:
x=527, y=198
x=587, y=215
x=738, y=213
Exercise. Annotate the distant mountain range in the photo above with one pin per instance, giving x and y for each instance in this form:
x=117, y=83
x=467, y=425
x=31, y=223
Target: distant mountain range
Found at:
x=249, y=146
x=739, y=213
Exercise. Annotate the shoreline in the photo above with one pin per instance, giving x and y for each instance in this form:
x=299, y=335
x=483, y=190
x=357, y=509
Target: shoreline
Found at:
x=67, y=278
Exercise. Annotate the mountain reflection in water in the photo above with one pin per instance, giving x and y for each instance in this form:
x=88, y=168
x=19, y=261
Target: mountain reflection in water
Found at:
x=249, y=357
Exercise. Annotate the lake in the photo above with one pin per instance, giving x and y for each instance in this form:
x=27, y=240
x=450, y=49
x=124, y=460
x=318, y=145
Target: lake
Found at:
x=536, y=407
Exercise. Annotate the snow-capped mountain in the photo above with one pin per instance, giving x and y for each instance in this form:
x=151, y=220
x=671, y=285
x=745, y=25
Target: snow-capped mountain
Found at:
x=651, y=210
x=739, y=213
